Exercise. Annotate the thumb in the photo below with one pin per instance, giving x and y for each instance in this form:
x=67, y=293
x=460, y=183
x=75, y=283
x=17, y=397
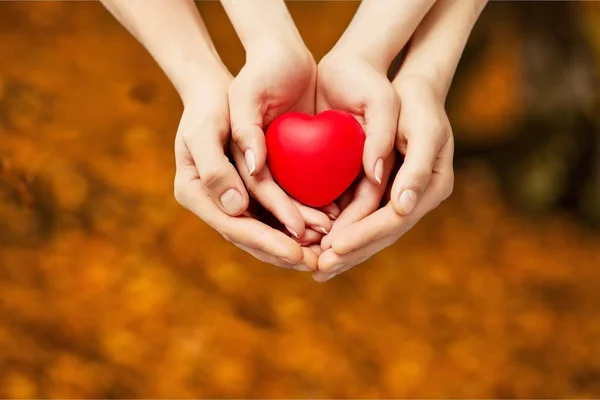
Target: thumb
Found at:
x=247, y=126
x=415, y=173
x=381, y=122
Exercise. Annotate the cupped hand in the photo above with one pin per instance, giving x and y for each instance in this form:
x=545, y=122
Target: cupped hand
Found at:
x=208, y=184
x=278, y=77
x=425, y=179
x=349, y=82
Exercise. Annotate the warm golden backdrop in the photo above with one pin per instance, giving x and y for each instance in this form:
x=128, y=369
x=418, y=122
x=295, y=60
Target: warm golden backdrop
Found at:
x=108, y=288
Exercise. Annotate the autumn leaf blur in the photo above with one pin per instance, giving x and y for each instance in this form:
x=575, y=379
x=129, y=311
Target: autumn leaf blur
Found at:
x=110, y=289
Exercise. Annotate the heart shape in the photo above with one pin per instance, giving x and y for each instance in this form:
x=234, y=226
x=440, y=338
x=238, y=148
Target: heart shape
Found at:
x=315, y=159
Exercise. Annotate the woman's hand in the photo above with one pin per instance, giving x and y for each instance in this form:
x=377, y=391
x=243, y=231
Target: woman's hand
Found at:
x=208, y=185
x=278, y=77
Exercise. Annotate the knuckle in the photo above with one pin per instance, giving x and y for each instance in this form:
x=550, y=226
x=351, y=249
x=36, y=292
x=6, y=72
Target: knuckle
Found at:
x=390, y=96
x=188, y=135
x=420, y=179
x=212, y=178
x=389, y=140
x=448, y=187
x=180, y=192
x=180, y=195
x=238, y=135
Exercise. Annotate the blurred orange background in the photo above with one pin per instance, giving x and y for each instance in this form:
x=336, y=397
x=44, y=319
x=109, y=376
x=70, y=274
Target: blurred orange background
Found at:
x=110, y=289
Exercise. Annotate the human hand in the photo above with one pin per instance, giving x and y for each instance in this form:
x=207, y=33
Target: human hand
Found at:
x=349, y=82
x=207, y=184
x=425, y=139
x=279, y=77
x=426, y=176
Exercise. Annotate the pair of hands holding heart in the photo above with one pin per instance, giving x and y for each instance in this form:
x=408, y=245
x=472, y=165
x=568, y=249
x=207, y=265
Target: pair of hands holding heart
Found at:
x=404, y=166
x=223, y=175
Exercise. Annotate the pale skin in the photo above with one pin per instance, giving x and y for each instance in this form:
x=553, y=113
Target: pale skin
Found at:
x=423, y=135
x=225, y=113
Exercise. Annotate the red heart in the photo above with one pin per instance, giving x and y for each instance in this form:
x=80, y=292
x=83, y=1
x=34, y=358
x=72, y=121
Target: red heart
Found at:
x=315, y=159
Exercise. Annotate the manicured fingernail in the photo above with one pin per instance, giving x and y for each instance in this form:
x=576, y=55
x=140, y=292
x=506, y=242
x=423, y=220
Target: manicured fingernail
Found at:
x=332, y=217
x=379, y=170
x=302, y=268
x=293, y=232
x=231, y=201
x=320, y=229
x=408, y=200
x=250, y=161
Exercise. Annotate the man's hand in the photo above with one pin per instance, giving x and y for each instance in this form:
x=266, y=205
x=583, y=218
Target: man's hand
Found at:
x=425, y=138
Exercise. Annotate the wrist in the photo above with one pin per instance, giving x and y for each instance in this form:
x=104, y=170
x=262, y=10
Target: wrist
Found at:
x=421, y=83
x=199, y=78
x=283, y=53
x=266, y=46
x=379, y=57
x=339, y=58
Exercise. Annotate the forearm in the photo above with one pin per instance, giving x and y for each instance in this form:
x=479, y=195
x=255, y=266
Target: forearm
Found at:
x=438, y=43
x=381, y=28
x=174, y=34
x=258, y=22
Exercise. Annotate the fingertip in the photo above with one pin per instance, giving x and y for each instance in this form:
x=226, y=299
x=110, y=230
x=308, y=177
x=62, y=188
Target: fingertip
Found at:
x=326, y=243
x=293, y=253
x=316, y=248
x=327, y=260
x=332, y=210
x=369, y=162
x=405, y=201
x=309, y=258
x=373, y=158
x=251, y=141
x=233, y=202
x=341, y=245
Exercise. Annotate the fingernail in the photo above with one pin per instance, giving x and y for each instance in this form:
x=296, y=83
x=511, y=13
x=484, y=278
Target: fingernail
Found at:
x=336, y=269
x=250, y=161
x=302, y=268
x=408, y=200
x=332, y=217
x=330, y=276
x=231, y=201
x=293, y=232
x=320, y=229
x=379, y=170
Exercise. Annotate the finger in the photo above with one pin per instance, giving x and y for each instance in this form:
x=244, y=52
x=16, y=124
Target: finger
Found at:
x=381, y=124
x=241, y=230
x=428, y=157
x=316, y=248
x=270, y=195
x=423, y=147
x=218, y=176
x=367, y=198
x=309, y=260
x=247, y=125
x=332, y=264
x=316, y=219
x=265, y=257
x=332, y=211
x=310, y=237
x=346, y=198
x=387, y=221
x=381, y=223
